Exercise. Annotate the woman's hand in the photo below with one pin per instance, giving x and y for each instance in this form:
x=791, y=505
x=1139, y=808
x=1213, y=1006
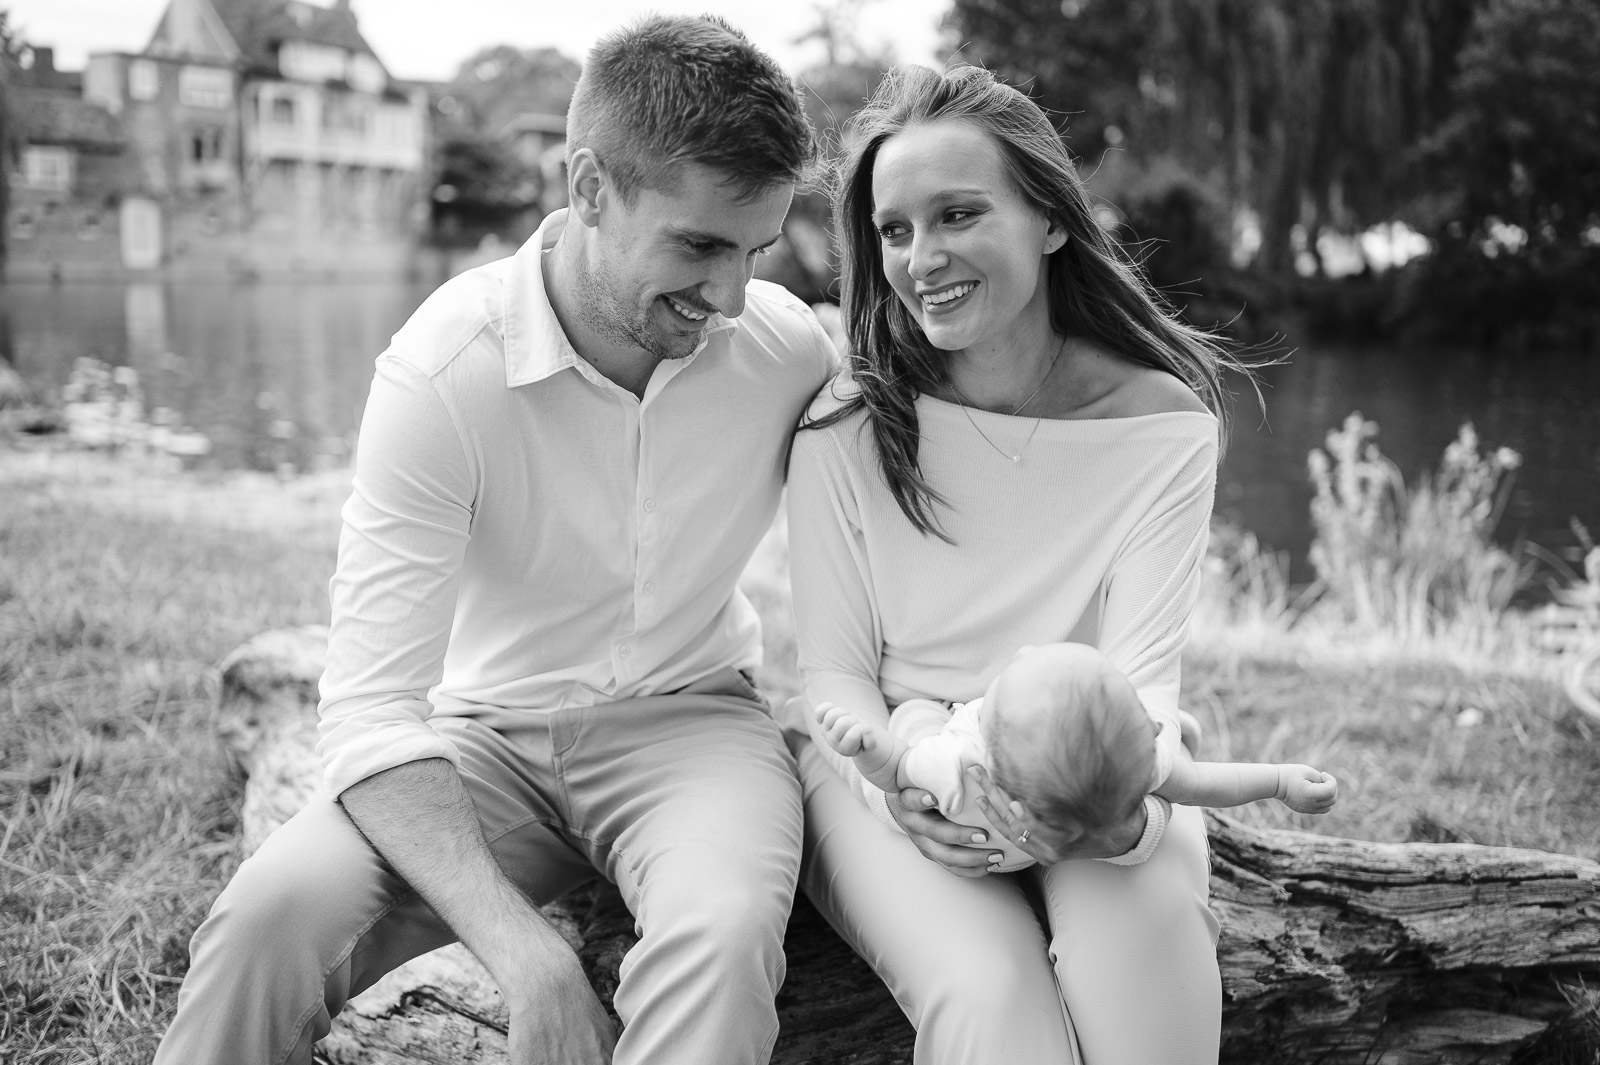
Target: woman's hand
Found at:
x=1048, y=845
x=959, y=848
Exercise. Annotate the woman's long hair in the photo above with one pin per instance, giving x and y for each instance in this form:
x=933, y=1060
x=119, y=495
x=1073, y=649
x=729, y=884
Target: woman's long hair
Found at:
x=1095, y=288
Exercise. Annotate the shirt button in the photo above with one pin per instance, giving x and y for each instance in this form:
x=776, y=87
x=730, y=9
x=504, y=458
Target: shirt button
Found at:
x=625, y=650
x=649, y=587
x=649, y=506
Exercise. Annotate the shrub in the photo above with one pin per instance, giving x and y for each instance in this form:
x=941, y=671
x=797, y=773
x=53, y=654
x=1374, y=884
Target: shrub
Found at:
x=1413, y=563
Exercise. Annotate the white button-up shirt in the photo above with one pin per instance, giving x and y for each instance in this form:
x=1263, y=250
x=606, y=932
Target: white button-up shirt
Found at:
x=524, y=535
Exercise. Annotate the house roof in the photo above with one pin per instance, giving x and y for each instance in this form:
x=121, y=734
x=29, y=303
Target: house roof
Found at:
x=259, y=26
x=51, y=116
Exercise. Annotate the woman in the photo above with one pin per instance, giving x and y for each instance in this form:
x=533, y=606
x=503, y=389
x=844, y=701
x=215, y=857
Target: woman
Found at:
x=1023, y=451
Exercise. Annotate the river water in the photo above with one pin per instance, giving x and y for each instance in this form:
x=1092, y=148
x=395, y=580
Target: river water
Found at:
x=275, y=376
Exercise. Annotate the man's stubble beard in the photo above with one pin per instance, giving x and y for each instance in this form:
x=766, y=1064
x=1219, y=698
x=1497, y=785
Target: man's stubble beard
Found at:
x=601, y=311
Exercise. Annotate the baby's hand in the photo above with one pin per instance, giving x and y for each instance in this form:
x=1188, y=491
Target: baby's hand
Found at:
x=1305, y=790
x=875, y=752
x=844, y=731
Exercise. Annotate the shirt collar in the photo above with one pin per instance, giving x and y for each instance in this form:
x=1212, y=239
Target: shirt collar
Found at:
x=536, y=347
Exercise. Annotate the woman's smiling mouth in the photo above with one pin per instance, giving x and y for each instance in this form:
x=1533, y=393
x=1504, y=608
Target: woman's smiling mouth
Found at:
x=948, y=295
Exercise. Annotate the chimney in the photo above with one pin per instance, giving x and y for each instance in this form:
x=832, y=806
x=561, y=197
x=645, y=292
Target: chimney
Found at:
x=44, y=64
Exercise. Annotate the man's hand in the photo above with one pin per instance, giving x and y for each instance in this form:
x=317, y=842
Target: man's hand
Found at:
x=1305, y=790
x=421, y=819
x=555, y=1014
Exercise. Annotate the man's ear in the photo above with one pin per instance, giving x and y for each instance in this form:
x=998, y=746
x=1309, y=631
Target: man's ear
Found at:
x=587, y=188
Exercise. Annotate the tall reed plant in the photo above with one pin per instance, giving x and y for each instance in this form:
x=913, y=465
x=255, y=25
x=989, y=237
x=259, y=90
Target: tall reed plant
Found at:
x=1415, y=563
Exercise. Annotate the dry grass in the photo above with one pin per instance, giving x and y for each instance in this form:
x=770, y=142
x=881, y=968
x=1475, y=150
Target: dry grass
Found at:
x=121, y=585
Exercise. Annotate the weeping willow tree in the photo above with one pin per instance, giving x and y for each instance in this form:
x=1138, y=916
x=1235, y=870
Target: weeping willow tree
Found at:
x=1304, y=112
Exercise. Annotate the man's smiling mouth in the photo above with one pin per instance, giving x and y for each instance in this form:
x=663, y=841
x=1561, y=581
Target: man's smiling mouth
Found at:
x=685, y=311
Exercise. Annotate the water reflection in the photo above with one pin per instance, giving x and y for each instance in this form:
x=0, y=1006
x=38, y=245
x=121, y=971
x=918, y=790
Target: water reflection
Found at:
x=1544, y=405
x=275, y=376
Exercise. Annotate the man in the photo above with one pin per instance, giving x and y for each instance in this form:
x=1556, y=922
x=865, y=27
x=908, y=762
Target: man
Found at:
x=539, y=659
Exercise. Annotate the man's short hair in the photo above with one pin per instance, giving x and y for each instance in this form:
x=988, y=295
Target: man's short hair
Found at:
x=665, y=91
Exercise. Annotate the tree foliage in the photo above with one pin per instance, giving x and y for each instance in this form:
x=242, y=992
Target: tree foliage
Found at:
x=496, y=84
x=1522, y=142
x=1475, y=121
x=1299, y=110
x=1516, y=223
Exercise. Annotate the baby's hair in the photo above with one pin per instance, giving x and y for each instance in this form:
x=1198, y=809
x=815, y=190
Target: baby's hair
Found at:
x=1093, y=767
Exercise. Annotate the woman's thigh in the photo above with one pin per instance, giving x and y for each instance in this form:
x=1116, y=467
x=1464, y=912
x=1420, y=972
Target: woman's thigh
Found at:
x=965, y=958
x=1135, y=952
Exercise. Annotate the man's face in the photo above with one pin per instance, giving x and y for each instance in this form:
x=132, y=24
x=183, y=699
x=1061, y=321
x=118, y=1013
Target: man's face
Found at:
x=664, y=264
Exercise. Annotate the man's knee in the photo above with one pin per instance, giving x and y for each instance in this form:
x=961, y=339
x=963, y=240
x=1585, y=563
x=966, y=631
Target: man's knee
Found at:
x=298, y=894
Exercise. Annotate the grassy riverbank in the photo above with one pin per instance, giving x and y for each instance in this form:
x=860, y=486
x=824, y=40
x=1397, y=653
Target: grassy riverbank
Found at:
x=121, y=586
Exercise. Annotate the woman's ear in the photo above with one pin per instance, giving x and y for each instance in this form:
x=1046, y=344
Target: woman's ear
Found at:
x=1055, y=238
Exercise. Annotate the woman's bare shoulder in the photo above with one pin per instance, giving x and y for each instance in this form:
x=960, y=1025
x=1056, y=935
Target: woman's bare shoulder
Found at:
x=1142, y=390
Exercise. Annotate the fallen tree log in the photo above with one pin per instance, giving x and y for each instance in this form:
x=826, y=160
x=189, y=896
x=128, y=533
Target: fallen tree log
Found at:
x=1332, y=950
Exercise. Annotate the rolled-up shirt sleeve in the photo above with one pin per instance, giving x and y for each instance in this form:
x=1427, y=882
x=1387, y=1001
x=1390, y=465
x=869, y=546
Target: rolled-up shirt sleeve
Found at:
x=406, y=528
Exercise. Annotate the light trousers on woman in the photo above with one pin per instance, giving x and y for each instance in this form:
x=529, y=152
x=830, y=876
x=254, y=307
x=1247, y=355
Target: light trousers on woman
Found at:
x=1125, y=973
x=687, y=802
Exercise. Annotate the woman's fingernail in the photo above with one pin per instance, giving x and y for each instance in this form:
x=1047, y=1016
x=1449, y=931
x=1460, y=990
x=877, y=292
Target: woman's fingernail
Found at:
x=1016, y=809
x=927, y=800
x=996, y=858
x=979, y=837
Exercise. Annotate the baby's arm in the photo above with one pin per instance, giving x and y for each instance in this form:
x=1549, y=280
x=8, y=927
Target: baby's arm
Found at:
x=876, y=752
x=1301, y=788
x=916, y=718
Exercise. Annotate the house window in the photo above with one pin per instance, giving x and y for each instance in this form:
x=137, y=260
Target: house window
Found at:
x=144, y=80
x=283, y=112
x=307, y=61
x=205, y=87
x=205, y=144
x=47, y=167
x=365, y=74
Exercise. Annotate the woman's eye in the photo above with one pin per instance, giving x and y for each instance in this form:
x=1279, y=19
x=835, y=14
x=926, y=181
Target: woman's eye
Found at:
x=959, y=215
x=891, y=231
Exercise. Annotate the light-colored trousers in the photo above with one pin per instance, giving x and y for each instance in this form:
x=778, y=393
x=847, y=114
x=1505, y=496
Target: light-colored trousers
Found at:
x=1117, y=965
x=688, y=802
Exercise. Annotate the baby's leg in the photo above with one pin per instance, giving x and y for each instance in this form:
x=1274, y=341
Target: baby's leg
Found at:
x=875, y=752
x=1135, y=955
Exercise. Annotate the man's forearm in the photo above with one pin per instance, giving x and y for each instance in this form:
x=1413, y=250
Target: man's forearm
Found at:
x=420, y=818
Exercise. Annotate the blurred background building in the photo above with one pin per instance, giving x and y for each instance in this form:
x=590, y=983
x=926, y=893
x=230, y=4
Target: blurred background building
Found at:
x=250, y=136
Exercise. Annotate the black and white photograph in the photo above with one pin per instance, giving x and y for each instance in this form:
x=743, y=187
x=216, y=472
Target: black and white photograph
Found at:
x=877, y=532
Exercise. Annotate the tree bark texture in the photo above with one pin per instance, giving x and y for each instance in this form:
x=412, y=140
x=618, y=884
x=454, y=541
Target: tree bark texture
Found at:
x=1332, y=950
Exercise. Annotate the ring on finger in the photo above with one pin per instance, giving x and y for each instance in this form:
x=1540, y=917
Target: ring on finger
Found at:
x=1024, y=837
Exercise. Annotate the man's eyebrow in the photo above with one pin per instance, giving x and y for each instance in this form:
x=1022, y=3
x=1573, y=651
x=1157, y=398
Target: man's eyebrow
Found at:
x=696, y=236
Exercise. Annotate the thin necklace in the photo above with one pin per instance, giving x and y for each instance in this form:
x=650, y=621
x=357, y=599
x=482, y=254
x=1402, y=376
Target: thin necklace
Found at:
x=963, y=402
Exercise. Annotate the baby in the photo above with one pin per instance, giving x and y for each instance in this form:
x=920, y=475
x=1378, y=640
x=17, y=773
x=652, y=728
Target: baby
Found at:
x=1063, y=732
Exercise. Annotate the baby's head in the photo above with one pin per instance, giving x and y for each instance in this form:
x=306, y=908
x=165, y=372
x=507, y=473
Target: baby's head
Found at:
x=1069, y=739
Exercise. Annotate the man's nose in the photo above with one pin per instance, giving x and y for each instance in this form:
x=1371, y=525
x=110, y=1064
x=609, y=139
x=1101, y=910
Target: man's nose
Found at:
x=724, y=289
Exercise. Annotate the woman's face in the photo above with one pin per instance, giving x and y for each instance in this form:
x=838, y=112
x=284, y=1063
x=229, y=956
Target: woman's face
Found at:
x=961, y=247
